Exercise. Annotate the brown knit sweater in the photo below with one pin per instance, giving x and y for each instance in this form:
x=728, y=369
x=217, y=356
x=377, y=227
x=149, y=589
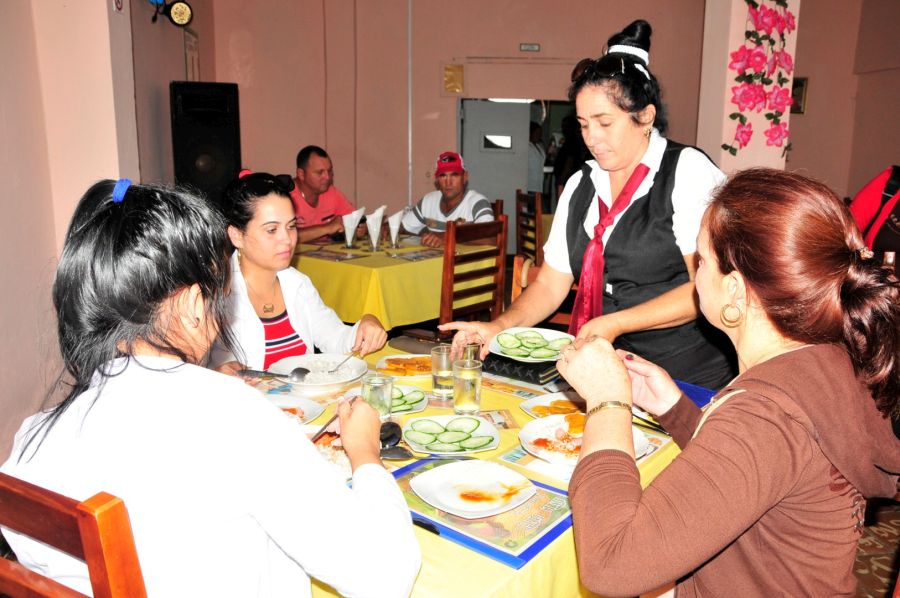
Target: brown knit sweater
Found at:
x=765, y=501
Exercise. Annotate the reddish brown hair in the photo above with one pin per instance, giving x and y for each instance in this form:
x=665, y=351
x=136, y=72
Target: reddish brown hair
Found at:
x=797, y=246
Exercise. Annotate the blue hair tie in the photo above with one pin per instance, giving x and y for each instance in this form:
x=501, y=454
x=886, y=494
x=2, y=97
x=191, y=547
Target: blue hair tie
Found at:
x=120, y=190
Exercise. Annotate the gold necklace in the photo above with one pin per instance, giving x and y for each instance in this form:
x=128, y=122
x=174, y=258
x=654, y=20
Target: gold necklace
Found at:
x=267, y=308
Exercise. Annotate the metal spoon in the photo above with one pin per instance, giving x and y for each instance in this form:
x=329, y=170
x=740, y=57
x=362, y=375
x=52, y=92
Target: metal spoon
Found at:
x=295, y=377
x=338, y=366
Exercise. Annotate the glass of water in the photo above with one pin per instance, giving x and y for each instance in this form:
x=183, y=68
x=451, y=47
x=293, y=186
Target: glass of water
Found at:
x=467, y=386
x=442, y=373
x=376, y=391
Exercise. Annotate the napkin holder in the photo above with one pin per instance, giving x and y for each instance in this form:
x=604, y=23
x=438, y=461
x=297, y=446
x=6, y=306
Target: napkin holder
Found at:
x=532, y=373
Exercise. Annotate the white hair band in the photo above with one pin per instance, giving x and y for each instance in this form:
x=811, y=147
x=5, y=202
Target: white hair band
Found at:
x=620, y=49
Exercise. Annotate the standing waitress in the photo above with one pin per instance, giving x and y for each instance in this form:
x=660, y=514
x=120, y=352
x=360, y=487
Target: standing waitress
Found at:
x=626, y=226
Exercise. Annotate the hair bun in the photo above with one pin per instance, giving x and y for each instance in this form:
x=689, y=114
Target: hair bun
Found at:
x=637, y=34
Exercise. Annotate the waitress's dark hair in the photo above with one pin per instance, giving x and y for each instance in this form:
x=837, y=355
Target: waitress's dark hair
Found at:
x=241, y=195
x=125, y=253
x=797, y=246
x=625, y=77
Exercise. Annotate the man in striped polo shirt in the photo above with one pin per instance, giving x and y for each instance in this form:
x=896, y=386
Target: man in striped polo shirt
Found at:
x=450, y=202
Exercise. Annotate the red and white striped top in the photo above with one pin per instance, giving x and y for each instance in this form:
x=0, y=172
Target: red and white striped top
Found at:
x=281, y=339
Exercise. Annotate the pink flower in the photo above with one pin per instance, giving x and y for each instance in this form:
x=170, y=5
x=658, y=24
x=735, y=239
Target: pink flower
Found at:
x=776, y=134
x=780, y=99
x=771, y=64
x=789, y=21
x=743, y=134
x=757, y=59
x=780, y=23
x=785, y=61
x=739, y=59
x=749, y=96
x=763, y=18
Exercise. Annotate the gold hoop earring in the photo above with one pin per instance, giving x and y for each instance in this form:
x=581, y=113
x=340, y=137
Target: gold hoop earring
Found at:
x=729, y=319
x=647, y=132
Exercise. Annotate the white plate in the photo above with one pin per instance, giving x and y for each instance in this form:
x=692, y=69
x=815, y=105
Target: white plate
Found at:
x=417, y=407
x=350, y=372
x=545, y=400
x=546, y=427
x=485, y=428
x=494, y=488
x=382, y=363
x=311, y=409
x=548, y=334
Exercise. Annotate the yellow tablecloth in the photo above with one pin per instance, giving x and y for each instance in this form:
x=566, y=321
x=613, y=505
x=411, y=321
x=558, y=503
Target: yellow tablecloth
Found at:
x=396, y=291
x=451, y=570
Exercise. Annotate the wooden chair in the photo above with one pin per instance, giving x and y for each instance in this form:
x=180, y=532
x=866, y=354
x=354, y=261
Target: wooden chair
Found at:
x=524, y=272
x=529, y=226
x=96, y=531
x=497, y=206
x=485, y=280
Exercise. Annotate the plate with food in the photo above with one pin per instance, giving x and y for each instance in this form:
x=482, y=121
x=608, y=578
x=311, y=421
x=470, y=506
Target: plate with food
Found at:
x=473, y=489
x=557, y=438
x=304, y=410
x=530, y=345
x=319, y=380
x=450, y=434
x=404, y=399
x=405, y=366
x=330, y=448
x=554, y=403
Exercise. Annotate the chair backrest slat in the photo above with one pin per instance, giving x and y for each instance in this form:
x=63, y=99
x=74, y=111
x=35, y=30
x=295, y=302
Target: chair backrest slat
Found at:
x=493, y=236
x=530, y=226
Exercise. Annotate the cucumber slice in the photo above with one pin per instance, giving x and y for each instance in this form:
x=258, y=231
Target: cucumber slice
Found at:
x=396, y=393
x=428, y=426
x=463, y=424
x=443, y=447
x=474, y=442
x=452, y=437
x=534, y=343
x=414, y=396
x=559, y=343
x=544, y=353
x=528, y=334
x=420, y=438
x=507, y=341
x=401, y=408
x=515, y=352
x=397, y=403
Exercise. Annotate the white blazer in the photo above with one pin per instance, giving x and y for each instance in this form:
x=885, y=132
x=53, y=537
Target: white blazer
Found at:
x=315, y=322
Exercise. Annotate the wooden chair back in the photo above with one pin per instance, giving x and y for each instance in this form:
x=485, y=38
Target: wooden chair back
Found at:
x=524, y=272
x=497, y=206
x=96, y=531
x=529, y=226
x=481, y=271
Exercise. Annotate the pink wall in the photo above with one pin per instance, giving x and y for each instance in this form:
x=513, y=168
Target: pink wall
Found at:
x=822, y=136
x=335, y=74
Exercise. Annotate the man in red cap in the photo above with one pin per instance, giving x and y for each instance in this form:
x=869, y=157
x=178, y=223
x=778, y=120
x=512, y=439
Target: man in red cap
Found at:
x=450, y=202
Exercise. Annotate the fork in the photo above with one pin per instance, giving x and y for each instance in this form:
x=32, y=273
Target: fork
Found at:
x=346, y=359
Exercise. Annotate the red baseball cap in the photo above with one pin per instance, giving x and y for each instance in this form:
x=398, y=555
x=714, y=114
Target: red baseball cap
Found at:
x=449, y=162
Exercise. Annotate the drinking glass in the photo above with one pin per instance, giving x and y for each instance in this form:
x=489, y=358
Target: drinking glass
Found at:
x=471, y=351
x=467, y=386
x=349, y=234
x=376, y=391
x=441, y=373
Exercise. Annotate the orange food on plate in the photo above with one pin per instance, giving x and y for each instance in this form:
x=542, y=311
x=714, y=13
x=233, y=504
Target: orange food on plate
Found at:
x=576, y=423
x=295, y=411
x=556, y=406
x=406, y=366
x=476, y=495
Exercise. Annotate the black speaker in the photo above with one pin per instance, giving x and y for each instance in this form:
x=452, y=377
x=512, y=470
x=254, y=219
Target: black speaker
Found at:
x=206, y=135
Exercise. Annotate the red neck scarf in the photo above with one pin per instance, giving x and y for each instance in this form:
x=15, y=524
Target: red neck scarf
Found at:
x=589, y=299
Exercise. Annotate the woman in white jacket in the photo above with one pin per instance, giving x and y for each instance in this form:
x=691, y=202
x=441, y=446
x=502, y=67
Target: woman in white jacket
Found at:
x=275, y=311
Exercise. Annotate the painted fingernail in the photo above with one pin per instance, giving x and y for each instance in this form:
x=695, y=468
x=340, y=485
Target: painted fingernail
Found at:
x=629, y=356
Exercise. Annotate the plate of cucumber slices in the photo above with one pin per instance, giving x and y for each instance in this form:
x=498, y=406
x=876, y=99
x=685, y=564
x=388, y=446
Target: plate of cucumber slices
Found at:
x=450, y=434
x=404, y=399
x=531, y=345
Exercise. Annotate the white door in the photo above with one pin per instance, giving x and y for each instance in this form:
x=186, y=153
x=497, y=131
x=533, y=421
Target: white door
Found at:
x=495, y=149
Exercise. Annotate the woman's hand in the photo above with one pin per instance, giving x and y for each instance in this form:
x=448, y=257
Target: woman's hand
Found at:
x=370, y=335
x=360, y=427
x=595, y=371
x=468, y=333
x=233, y=368
x=651, y=386
x=603, y=326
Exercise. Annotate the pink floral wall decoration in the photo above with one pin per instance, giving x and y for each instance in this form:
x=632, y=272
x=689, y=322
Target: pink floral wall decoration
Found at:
x=764, y=68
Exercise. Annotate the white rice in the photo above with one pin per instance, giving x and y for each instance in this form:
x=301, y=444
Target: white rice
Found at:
x=318, y=371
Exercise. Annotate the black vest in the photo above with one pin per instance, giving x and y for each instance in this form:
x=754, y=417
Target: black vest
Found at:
x=643, y=261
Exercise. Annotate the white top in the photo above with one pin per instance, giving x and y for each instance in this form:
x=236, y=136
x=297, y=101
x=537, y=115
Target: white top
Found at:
x=536, y=158
x=315, y=322
x=695, y=180
x=427, y=213
x=226, y=495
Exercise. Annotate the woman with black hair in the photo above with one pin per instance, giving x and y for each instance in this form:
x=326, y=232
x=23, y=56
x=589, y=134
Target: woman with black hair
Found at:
x=275, y=311
x=626, y=225
x=226, y=495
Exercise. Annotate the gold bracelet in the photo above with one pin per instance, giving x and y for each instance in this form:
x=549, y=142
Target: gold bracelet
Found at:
x=607, y=405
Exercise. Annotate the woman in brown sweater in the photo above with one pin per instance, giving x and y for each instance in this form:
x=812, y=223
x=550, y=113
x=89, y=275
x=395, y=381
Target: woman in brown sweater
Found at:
x=768, y=496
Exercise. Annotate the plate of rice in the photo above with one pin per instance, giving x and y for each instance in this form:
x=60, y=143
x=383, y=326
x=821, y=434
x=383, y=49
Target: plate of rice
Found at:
x=319, y=381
